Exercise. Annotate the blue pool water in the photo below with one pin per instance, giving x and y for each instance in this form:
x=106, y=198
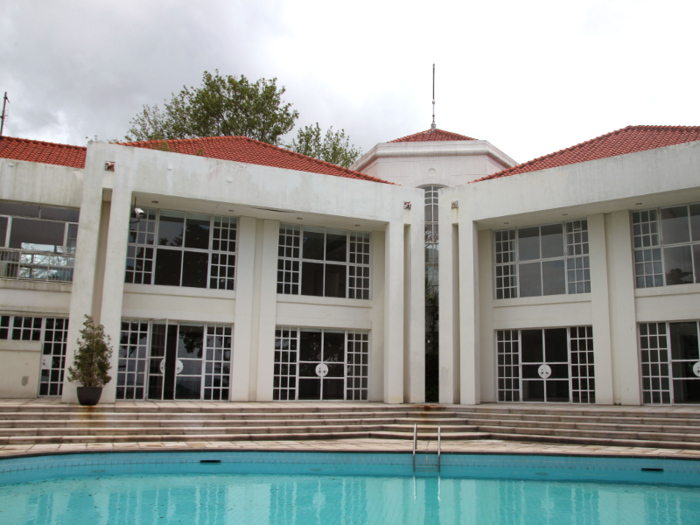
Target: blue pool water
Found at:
x=253, y=488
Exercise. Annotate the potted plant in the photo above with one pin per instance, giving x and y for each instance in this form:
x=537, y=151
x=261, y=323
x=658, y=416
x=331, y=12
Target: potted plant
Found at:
x=91, y=363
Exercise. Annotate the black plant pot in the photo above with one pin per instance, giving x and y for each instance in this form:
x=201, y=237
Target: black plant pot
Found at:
x=89, y=395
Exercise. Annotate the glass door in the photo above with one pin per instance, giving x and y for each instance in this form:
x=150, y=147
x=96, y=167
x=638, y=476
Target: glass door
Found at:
x=188, y=361
x=321, y=365
x=545, y=365
x=156, y=361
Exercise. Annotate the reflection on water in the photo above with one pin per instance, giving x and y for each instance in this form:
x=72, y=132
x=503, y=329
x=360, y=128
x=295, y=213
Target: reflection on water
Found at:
x=301, y=500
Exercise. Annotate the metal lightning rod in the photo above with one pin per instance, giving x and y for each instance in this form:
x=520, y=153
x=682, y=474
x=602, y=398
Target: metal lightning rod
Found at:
x=432, y=126
x=5, y=100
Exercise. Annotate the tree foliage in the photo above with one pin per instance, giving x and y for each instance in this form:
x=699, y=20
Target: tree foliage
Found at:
x=221, y=106
x=333, y=147
x=91, y=363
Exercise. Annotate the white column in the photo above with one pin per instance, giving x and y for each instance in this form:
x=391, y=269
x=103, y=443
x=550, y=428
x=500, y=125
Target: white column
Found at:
x=600, y=310
x=243, y=327
x=623, y=312
x=268, y=311
x=487, y=349
x=393, y=312
x=449, y=303
x=113, y=288
x=377, y=342
x=414, y=308
x=469, y=360
x=83, y=288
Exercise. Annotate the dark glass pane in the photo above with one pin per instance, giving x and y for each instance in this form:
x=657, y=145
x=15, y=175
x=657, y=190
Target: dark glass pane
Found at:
x=334, y=347
x=686, y=391
x=37, y=235
x=188, y=387
x=336, y=245
x=553, y=277
x=674, y=225
x=696, y=262
x=313, y=243
x=190, y=339
x=695, y=221
x=19, y=210
x=3, y=230
x=309, y=389
x=555, y=345
x=529, y=244
x=335, y=280
x=557, y=391
x=530, y=279
x=312, y=279
x=60, y=214
x=197, y=231
x=310, y=346
x=194, y=270
x=333, y=389
x=552, y=241
x=168, y=265
x=533, y=390
x=170, y=228
x=336, y=370
x=531, y=372
x=191, y=367
x=678, y=265
x=532, y=351
x=684, y=341
x=307, y=370
x=155, y=387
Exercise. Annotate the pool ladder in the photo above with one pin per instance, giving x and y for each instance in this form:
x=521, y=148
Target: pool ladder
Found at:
x=415, y=443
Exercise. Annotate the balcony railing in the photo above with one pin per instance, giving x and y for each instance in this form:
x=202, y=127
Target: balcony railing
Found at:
x=29, y=265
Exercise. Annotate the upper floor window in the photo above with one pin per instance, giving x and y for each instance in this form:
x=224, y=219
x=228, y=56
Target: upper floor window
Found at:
x=174, y=248
x=431, y=236
x=37, y=242
x=323, y=262
x=543, y=260
x=666, y=246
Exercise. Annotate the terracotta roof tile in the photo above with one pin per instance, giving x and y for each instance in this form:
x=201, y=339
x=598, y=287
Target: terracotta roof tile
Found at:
x=621, y=142
x=432, y=135
x=250, y=151
x=44, y=152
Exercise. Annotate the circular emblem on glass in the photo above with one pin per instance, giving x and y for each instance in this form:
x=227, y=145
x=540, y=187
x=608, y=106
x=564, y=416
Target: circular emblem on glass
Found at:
x=162, y=366
x=544, y=371
x=178, y=367
x=321, y=370
x=696, y=369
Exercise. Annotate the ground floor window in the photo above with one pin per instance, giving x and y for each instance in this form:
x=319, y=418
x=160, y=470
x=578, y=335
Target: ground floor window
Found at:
x=546, y=365
x=52, y=333
x=315, y=364
x=169, y=360
x=670, y=362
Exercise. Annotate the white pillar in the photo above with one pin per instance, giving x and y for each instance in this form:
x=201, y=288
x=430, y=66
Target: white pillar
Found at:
x=414, y=308
x=83, y=288
x=623, y=312
x=469, y=361
x=377, y=342
x=393, y=312
x=115, y=265
x=449, y=303
x=487, y=349
x=243, y=327
x=268, y=311
x=600, y=310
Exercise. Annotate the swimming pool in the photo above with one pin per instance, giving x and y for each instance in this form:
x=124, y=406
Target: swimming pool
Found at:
x=226, y=487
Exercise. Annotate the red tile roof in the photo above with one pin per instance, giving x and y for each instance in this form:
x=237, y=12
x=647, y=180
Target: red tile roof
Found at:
x=432, y=135
x=621, y=142
x=44, y=152
x=250, y=151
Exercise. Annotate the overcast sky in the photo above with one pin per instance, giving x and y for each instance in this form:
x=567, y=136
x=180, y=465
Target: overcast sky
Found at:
x=530, y=77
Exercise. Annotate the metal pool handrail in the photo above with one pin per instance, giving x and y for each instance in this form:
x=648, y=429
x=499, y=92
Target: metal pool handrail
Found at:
x=415, y=438
x=438, y=448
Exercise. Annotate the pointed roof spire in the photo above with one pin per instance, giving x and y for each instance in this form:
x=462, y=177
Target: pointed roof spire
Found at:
x=433, y=126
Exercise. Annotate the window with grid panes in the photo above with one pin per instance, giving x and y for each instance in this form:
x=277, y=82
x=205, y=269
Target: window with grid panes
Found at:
x=542, y=260
x=666, y=246
x=285, y=379
x=357, y=367
x=174, y=248
x=133, y=354
x=431, y=235
x=323, y=262
x=53, y=358
x=217, y=365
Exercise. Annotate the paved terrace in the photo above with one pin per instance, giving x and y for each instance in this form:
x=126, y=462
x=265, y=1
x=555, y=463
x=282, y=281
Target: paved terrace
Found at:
x=476, y=446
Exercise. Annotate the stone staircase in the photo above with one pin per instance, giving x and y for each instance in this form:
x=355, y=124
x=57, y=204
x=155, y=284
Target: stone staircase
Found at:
x=40, y=422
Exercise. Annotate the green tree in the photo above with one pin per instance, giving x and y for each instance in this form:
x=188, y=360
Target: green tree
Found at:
x=91, y=362
x=221, y=106
x=333, y=147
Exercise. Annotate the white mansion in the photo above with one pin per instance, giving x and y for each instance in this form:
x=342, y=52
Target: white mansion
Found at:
x=228, y=269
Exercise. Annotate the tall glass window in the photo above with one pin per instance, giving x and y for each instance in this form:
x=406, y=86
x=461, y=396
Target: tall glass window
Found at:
x=37, y=243
x=666, y=246
x=175, y=248
x=323, y=262
x=432, y=236
x=542, y=260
